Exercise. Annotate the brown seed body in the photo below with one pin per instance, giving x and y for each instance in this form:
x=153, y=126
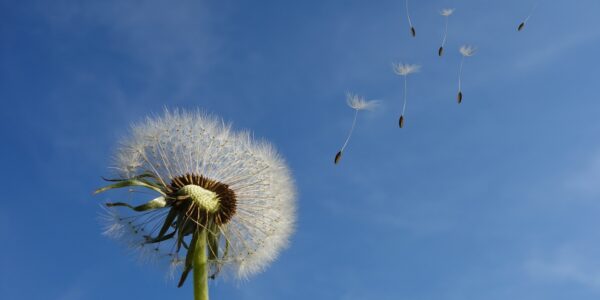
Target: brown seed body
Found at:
x=521, y=26
x=338, y=156
x=441, y=51
x=459, y=97
x=413, y=31
x=401, y=122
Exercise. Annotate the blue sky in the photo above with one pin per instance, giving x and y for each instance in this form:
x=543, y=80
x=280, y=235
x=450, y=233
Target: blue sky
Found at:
x=494, y=199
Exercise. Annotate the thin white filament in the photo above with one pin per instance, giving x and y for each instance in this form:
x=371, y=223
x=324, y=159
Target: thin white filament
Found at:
x=532, y=11
x=351, y=130
x=445, y=31
x=404, y=105
x=408, y=15
x=462, y=61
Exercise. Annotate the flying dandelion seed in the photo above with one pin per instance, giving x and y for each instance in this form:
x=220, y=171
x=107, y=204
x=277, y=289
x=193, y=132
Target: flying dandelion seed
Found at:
x=413, y=32
x=466, y=51
x=357, y=103
x=224, y=203
x=446, y=12
x=404, y=70
x=522, y=24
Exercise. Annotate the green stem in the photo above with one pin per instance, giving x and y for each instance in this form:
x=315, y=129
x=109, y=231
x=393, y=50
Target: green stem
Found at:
x=200, y=266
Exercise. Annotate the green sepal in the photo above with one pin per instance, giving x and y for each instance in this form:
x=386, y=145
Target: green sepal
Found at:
x=155, y=203
x=158, y=239
x=132, y=182
x=168, y=222
x=189, y=259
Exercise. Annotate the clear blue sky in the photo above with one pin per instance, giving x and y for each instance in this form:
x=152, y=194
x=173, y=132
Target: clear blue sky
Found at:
x=497, y=198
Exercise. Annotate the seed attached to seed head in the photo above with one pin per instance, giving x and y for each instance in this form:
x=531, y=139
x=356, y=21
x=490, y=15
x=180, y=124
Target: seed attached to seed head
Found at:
x=441, y=51
x=459, y=97
x=413, y=32
x=401, y=122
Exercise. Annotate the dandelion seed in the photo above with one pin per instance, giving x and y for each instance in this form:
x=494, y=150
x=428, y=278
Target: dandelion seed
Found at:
x=224, y=202
x=413, y=32
x=404, y=70
x=446, y=12
x=466, y=51
x=522, y=24
x=357, y=103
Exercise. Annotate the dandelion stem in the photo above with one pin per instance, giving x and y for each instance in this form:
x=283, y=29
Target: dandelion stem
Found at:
x=200, y=267
x=351, y=130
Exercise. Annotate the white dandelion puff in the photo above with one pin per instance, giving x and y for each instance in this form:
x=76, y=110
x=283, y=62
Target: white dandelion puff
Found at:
x=466, y=51
x=404, y=70
x=413, y=32
x=357, y=103
x=446, y=12
x=223, y=202
x=522, y=24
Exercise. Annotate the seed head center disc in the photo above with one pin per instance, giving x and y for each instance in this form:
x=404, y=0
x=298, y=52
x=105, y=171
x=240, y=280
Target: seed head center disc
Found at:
x=202, y=197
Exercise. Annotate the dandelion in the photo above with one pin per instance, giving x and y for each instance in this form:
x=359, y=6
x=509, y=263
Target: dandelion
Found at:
x=466, y=51
x=223, y=202
x=357, y=103
x=446, y=12
x=413, y=32
x=404, y=70
x=522, y=24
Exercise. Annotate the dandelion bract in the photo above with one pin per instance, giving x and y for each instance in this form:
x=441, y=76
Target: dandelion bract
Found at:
x=223, y=203
x=357, y=103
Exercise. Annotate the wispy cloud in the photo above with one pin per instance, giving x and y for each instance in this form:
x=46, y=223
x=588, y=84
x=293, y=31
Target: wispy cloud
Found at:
x=586, y=180
x=567, y=265
x=552, y=51
x=163, y=41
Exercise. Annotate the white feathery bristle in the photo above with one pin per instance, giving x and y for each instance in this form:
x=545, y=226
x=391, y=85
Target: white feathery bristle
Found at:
x=446, y=12
x=467, y=50
x=359, y=103
x=405, y=69
x=180, y=142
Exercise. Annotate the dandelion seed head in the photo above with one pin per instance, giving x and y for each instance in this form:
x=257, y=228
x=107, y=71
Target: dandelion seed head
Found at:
x=467, y=50
x=405, y=69
x=195, y=159
x=359, y=103
x=446, y=12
